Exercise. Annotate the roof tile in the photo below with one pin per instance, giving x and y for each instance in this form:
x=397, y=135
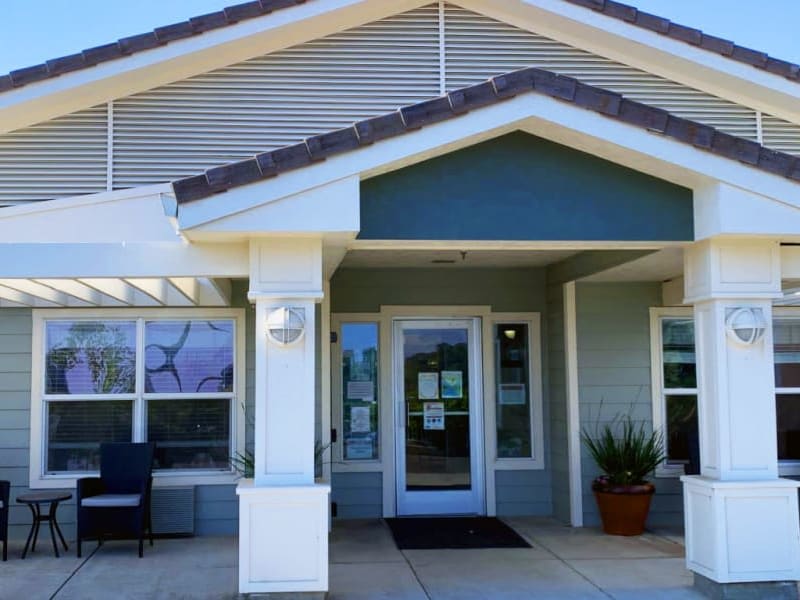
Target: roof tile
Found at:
x=716, y=44
x=246, y=10
x=270, y=5
x=690, y=132
x=643, y=115
x=736, y=148
x=290, y=157
x=794, y=171
x=233, y=174
x=98, y=54
x=689, y=35
x=598, y=99
x=652, y=22
x=379, y=128
x=427, y=112
x=782, y=67
x=65, y=64
x=620, y=11
x=192, y=188
x=6, y=83
x=209, y=21
x=137, y=43
x=341, y=140
x=552, y=84
x=749, y=56
x=775, y=162
x=471, y=97
x=512, y=83
x=176, y=31
x=593, y=4
x=29, y=75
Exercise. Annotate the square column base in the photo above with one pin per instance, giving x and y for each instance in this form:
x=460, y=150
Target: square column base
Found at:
x=283, y=539
x=759, y=590
x=742, y=531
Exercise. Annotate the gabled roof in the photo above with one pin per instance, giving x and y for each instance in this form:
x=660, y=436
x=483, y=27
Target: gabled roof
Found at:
x=257, y=8
x=458, y=102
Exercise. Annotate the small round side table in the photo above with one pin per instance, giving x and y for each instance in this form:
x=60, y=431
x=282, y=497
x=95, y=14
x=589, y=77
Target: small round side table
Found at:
x=34, y=500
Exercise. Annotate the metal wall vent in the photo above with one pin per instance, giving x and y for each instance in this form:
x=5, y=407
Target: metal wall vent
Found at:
x=172, y=510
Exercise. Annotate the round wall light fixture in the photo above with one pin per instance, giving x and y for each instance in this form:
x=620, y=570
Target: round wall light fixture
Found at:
x=285, y=326
x=745, y=325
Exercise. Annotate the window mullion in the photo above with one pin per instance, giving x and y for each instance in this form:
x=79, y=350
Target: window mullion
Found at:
x=138, y=405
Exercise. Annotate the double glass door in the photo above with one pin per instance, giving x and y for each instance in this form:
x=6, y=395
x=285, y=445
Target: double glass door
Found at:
x=438, y=417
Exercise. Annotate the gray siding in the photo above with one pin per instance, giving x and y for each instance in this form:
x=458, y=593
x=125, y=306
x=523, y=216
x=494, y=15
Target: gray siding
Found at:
x=557, y=402
x=523, y=493
x=614, y=376
x=357, y=495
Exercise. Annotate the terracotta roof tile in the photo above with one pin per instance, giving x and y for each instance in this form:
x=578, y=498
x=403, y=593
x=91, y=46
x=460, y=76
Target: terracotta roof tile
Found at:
x=457, y=102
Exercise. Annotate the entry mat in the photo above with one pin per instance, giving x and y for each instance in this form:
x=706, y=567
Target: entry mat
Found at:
x=432, y=533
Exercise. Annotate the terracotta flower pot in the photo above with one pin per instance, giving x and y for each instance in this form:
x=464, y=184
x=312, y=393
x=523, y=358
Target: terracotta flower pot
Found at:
x=623, y=509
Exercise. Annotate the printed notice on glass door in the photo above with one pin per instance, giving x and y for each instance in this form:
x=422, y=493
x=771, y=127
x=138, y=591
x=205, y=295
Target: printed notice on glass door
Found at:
x=433, y=415
x=452, y=384
x=359, y=419
x=428, y=386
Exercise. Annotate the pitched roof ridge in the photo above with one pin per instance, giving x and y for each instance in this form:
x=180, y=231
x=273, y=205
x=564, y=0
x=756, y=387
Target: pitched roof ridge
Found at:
x=230, y=15
x=126, y=46
x=693, y=36
x=457, y=102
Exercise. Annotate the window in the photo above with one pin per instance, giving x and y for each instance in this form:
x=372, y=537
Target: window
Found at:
x=675, y=385
x=517, y=397
x=358, y=390
x=117, y=376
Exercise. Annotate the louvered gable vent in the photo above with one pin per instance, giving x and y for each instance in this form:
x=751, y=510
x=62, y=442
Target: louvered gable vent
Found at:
x=183, y=128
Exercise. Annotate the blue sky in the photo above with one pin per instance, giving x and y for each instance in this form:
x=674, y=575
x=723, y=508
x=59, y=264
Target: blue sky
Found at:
x=33, y=31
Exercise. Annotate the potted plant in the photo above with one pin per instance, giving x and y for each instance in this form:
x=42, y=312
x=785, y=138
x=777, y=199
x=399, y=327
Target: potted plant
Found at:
x=626, y=454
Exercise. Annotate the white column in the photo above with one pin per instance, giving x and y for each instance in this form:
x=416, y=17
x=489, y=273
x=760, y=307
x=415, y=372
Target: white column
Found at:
x=283, y=514
x=741, y=519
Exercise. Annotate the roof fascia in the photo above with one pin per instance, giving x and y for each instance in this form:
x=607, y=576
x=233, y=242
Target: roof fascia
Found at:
x=649, y=51
x=181, y=59
x=572, y=126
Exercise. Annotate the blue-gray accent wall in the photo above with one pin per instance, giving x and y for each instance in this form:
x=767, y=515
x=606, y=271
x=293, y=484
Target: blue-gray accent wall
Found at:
x=613, y=322
x=521, y=187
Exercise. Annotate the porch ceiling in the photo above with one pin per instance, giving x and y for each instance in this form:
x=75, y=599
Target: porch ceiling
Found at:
x=659, y=266
x=451, y=258
x=114, y=292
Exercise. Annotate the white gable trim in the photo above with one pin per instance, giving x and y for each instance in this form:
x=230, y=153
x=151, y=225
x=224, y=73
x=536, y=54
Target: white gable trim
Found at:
x=546, y=117
x=644, y=49
x=37, y=102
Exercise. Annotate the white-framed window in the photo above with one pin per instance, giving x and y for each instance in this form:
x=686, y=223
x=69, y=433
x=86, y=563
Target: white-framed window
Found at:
x=356, y=410
x=674, y=384
x=170, y=376
x=516, y=427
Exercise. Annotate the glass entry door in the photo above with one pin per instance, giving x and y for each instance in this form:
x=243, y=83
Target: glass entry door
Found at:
x=438, y=404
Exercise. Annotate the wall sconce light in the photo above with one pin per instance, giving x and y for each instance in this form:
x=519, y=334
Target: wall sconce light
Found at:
x=285, y=326
x=510, y=333
x=745, y=325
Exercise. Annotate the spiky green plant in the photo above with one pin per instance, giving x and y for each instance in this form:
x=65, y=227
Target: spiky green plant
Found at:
x=626, y=453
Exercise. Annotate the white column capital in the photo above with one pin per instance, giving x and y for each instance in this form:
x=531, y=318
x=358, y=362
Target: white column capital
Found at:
x=739, y=268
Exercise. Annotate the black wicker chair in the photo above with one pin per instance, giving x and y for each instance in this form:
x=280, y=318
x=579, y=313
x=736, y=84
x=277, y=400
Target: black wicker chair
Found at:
x=117, y=504
x=5, y=488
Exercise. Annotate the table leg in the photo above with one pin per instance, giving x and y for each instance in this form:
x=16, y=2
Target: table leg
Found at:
x=50, y=518
x=30, y=533
x=38, y=513
x=58, y=529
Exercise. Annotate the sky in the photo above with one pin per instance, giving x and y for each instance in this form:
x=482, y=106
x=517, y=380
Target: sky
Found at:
x=32, y=31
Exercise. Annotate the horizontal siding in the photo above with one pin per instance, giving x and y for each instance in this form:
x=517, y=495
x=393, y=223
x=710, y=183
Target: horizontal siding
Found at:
x=523, y=493
x=216, y=510
x=614, y=378
x=357, y=495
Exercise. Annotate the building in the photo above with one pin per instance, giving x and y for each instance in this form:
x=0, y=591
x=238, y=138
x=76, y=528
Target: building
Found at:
x=193, y=213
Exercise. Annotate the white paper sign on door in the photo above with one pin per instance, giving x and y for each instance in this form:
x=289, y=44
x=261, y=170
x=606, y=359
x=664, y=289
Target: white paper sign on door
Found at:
x=428, y=386
x=359, y=419
x=433, y=415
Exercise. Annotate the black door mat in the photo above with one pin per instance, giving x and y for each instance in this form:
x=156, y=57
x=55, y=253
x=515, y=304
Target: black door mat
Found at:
x=432, y=533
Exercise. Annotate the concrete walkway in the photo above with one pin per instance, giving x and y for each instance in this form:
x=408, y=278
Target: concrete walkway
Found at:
x=563, y=563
